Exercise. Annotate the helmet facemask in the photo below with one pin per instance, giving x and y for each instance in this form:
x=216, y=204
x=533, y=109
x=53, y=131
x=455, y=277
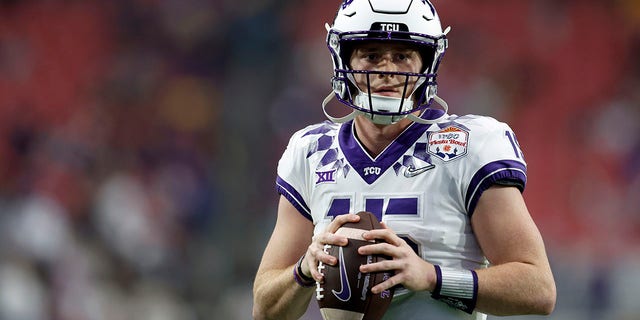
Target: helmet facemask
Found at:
x=418, y=88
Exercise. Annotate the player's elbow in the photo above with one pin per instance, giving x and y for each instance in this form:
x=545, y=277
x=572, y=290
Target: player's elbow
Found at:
x=264, y=308
x=550, y=302
x=260, y=310
x=546, y=299
x=261, y=313
x=258, y=313
x=545, y=306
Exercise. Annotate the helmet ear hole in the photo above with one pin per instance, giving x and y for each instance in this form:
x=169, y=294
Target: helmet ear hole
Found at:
x=346, y=49
x=420, y=95
x=427, y=54
x=353, y=90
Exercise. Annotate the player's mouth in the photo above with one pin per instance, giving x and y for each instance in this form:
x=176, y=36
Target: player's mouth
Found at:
x=387, y=92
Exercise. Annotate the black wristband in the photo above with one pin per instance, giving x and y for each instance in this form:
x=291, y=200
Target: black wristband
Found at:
x=300, y=277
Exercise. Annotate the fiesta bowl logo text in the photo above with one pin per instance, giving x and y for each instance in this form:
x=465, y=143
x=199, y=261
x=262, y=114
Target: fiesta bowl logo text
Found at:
x=449, y=143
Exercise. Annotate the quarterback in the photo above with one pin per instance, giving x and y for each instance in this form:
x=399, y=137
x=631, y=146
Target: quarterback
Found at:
x=446, y=187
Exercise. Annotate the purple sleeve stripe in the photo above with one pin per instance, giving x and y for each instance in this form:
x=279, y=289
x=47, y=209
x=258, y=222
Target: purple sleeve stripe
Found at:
x=474, y=300
x=488, y=175
x=294, y=197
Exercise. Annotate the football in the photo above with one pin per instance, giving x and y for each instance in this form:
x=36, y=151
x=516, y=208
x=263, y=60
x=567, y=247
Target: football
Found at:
x=345, y=293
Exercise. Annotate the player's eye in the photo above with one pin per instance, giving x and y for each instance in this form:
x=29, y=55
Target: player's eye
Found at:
x=371, y=56
x=406, y=56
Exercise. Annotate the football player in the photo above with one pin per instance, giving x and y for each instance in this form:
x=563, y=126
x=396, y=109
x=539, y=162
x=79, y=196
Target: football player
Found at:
x=447, y=187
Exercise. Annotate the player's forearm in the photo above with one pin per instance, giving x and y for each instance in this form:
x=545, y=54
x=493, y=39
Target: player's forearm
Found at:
x=278, y=296
x=516, y=288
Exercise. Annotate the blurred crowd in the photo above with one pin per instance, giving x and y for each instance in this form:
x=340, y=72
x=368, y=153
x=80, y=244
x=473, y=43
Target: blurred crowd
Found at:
x=139, y=140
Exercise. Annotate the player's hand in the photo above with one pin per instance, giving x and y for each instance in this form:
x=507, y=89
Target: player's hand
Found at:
x=411, y=271
x=315, y=252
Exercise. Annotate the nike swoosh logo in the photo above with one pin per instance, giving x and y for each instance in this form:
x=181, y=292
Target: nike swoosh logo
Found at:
x=345, y=291
x=411, y=171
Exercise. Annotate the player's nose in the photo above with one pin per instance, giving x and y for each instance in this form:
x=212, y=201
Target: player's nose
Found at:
x=387, y=64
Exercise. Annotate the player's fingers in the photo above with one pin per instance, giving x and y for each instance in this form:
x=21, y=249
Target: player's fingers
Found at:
x=378, y=234
x=383, y=234
x=318, y=253
x=385, y=285
x=323, y=259
x=338, y=221
x=315, y=256
x=382, y=248
x=330, y=238
x=312, y=264
x=384, y=265
x=327, y=259
x=315, y=273
x=403, y=274
x=385, y=225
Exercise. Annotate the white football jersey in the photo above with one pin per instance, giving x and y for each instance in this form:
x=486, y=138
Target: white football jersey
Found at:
x=424, y=185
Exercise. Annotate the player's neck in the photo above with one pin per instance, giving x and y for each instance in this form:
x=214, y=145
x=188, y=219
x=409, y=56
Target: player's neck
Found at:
x=375, y=137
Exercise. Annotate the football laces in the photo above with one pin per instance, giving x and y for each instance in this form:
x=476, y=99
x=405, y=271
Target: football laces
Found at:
x=321, y=266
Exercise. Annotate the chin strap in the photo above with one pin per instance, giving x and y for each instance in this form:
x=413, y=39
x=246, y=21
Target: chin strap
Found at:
x=410, y=116
x=442, y=103
x=346, y=118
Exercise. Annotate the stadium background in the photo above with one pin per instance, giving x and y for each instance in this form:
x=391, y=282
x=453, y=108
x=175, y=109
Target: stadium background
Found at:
x=139, y=139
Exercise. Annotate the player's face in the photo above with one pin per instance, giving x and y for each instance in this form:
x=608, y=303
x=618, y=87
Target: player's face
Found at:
x=381, y=56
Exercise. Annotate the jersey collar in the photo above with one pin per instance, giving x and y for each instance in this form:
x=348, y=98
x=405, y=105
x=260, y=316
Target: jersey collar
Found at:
x=371, y=169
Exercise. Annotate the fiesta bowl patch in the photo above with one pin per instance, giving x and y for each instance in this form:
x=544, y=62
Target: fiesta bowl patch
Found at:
x=449, y=143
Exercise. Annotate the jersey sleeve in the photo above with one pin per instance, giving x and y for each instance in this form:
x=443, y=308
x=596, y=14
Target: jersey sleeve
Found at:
x=496, y=158
x=292, y=176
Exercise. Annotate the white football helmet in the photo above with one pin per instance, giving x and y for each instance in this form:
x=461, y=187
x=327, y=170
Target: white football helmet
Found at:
x=413, y=22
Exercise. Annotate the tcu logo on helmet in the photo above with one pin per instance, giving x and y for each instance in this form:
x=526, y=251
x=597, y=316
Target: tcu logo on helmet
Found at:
x=346, y=3
x=390, y=27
